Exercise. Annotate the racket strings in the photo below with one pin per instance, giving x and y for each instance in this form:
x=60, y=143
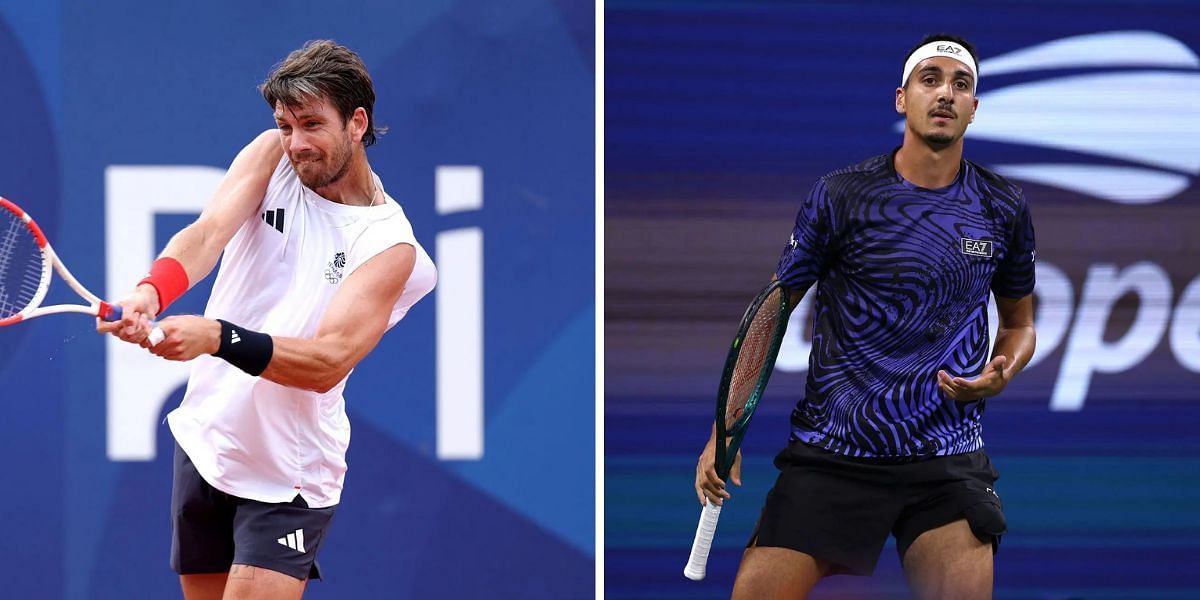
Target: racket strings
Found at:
x=20, y=266
x=753, y=357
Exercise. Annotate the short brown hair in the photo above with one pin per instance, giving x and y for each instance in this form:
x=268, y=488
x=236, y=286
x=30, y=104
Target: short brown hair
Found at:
x=324, y=68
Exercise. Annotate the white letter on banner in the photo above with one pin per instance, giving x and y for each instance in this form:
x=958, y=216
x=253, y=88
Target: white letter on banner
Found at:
x=1185, y=328
x=1055, y=300
x=139, y=382
x=459, y=256
x=1087, y=352
x=1052, y=317
x=794, y=349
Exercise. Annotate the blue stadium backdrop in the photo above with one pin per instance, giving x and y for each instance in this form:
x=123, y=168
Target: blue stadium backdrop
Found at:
x=719, y=117
x=470, y=476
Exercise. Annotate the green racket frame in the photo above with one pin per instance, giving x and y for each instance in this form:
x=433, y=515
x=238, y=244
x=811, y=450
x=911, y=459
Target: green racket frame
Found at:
x=727, y=452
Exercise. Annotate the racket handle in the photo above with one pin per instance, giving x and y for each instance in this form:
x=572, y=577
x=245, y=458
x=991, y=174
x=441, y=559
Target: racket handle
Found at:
x=156, y=336
x=698, y=561
x=110, y=312
x=113, y=314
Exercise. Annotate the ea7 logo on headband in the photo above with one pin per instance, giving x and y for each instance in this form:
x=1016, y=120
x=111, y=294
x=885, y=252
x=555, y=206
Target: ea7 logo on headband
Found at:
x=948, y=49
x=977, y=247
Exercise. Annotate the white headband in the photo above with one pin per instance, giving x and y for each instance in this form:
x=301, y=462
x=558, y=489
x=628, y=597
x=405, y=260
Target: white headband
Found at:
x=942, y=48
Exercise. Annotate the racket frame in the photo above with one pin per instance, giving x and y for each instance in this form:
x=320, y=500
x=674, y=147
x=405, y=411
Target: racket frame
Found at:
x=697, y=564
x=727, y=451
x=50, y=262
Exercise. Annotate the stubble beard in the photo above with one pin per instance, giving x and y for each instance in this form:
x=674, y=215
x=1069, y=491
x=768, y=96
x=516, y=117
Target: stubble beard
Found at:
x=940, y=139
x=340, y=164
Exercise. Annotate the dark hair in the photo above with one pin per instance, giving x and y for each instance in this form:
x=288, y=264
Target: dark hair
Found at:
x=938, y=37
x=323, y=68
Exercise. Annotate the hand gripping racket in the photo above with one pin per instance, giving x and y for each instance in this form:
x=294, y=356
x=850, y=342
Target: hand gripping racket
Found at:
x=747, y=368
x=26, y=263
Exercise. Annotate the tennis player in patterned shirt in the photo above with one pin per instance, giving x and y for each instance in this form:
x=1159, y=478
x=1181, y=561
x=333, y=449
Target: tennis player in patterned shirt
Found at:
x=905, y=249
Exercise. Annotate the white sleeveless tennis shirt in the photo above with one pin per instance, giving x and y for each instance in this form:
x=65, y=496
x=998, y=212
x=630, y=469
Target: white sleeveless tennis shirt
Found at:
x=253, y=438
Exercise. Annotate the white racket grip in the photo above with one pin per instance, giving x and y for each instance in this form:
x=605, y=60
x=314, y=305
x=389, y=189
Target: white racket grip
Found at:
x=698, y=561
x=156, y=336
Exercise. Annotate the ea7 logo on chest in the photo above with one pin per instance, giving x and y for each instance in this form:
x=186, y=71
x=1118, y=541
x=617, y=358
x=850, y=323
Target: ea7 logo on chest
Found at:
x=977, y=247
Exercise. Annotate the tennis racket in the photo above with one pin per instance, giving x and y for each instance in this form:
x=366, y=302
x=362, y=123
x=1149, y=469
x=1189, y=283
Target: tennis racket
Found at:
x=747, y=368
x=26, y=263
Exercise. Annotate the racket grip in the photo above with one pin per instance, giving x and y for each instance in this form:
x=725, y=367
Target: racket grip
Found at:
x=156, y=336
x=110, y=312
x=698, y=561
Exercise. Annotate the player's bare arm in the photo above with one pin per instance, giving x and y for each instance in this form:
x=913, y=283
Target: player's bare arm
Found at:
x=1015, y=343
x=354, y=323
x=198, y=246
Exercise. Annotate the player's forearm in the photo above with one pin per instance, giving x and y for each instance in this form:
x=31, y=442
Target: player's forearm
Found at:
x=197, y=249
x=1016, y=344
x=190, y=250
x=310, y=364
x=316, y=364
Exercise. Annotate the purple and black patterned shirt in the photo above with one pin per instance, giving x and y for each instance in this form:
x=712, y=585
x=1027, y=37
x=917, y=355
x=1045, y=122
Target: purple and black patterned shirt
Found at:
x=903, y=275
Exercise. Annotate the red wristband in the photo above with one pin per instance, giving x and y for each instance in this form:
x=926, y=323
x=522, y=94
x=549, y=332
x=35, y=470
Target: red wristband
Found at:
x=169, y=279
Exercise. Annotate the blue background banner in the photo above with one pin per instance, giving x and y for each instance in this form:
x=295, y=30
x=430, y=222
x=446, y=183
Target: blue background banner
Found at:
x=93, y=92
x=720, y=116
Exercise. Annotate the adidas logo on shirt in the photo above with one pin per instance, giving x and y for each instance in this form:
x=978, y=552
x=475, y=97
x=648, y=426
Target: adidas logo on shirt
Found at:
x=234, y=337
x=274, y=218
x=294, y=540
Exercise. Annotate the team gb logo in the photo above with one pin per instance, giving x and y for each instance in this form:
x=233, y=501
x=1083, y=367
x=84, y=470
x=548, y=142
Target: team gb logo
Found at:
x=333, y=271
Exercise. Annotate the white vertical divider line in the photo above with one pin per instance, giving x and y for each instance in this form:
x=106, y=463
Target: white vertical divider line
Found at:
x=137, y=382
x=460, y=414
x=599, y=291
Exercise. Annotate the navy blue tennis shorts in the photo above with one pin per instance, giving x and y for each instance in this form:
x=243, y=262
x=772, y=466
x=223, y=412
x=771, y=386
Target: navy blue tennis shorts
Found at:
x=212, y=531
x=842, y=509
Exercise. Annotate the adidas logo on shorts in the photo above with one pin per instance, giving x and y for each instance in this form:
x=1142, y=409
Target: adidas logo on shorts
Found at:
x=294, y=540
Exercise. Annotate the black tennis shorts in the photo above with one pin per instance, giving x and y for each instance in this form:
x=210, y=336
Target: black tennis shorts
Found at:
x=842, y=509
x=212, y=530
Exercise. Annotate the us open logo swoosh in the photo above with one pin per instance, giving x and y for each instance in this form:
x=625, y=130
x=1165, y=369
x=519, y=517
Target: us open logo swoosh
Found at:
x=1143, y=114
